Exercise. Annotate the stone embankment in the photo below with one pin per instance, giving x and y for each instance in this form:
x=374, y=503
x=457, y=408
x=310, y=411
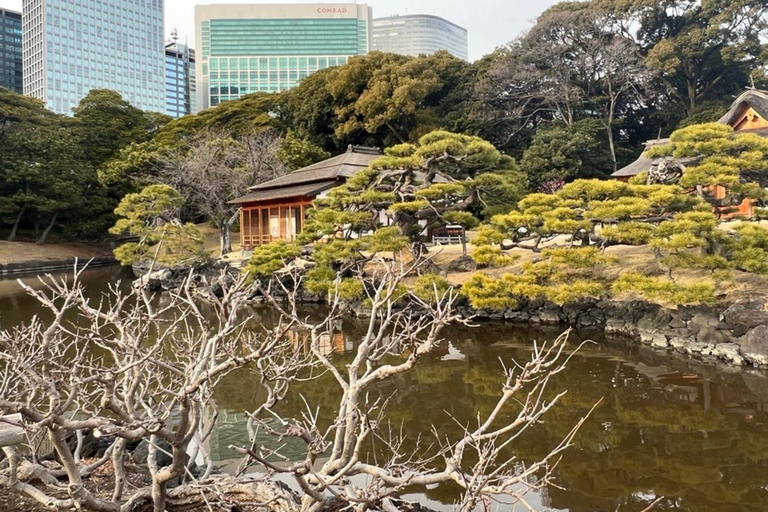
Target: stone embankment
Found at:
x=735, y=333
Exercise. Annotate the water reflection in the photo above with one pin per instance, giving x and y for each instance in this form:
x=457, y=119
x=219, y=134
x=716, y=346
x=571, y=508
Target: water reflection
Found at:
x=695, y=433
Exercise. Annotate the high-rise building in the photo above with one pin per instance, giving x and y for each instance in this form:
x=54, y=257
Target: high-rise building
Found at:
x=269, y=47
x=180, y=92
x=417, y=34
x=73, y=46
x=10, y=50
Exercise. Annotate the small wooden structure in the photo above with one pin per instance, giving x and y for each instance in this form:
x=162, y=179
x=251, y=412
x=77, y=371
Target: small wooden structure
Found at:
x=748, y=114
x=449, y=235
x=276, y=210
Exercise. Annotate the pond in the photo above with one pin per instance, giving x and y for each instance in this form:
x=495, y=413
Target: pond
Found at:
x=696, y=434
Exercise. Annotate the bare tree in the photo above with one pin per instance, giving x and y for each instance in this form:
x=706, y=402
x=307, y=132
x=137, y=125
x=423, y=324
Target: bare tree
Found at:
x=213, y=168
x=129, y=368
x=406, y=335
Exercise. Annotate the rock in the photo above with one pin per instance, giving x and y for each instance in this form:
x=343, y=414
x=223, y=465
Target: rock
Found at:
x=654, y=338
x=729, y=352
x=701, y=322
x=154, y=281
x=745, y=315
x=677, y=323
x=462, y=264
x=754, y=345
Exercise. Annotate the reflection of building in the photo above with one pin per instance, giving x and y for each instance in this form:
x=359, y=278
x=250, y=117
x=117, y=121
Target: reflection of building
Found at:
x=271, y=47
x=73, y=47
x=417, y=34
x=180, y=92
x=747, y=114
x=335, y=343
x=10, y=51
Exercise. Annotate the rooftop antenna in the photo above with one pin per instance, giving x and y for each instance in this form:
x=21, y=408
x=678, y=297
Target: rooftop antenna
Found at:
x=175, y=35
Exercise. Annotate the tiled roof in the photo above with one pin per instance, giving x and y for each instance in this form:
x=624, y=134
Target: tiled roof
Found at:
x=304, y=189
x=345, y=165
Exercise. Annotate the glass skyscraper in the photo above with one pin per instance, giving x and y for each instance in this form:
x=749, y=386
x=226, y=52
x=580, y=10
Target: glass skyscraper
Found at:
x=417, y=34
x=249, y=48
x=10, y=51
x=180, y=92
x=73, y=46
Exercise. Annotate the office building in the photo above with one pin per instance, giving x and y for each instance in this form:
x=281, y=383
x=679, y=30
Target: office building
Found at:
x=417, y=34
x=180, y=92
x=73, y=46
x=10, y=50
x=249, y=48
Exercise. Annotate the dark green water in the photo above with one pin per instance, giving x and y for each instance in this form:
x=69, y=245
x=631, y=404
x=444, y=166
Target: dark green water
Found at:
x=694, y=433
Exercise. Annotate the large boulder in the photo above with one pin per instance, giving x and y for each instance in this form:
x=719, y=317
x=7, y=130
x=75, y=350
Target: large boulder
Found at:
x=754, y=345
x=462, y=264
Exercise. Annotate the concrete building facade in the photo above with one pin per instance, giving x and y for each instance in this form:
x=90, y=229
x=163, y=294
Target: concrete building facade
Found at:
x=417, y=34
x=71, y=47
x=244, y=49
x=180, y=84
x=10, y=51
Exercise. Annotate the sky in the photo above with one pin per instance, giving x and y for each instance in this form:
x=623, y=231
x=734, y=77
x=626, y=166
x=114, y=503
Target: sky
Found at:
x=490, y=23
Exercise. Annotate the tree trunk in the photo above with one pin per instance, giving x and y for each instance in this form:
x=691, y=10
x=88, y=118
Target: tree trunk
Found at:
x=225, y=234
x=609, y=127
x=48, y=229
x=12, y=236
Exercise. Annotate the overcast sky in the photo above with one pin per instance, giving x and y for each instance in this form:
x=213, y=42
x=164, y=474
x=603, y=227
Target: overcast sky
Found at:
x=490, y=23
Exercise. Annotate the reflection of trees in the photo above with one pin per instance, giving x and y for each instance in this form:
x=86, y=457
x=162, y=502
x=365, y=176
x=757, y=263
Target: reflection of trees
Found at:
x=659, y=430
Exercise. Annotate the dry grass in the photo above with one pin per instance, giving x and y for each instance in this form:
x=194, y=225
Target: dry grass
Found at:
x=23, y=252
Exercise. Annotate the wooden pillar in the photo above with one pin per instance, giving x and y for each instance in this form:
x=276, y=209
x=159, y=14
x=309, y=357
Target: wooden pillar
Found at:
x=280, y=222
x=242, y=228
x=258, y=227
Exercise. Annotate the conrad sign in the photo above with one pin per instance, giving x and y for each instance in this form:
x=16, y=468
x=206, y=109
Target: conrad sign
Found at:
x=332, y=10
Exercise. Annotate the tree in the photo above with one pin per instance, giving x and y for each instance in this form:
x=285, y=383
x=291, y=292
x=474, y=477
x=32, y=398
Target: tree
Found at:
x=104, y=123
x=166, y=373
x=561, y=153
x=212, y=169
x=152, y=216
x=700, y=49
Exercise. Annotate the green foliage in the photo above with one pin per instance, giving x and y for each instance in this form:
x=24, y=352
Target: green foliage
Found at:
x=297, y=152
x=489, y=256
x=486, y=292
x=269, y=258
x=629, y=233
x=566, y=293
x=664, y=291
x=431, y=287
x=567, y=153
x=463, y=219
x=149, y=215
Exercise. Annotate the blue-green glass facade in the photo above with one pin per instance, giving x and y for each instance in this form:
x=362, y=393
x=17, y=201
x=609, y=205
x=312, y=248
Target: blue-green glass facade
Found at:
x=10, y=51
x=244, y=55
x=74, y=46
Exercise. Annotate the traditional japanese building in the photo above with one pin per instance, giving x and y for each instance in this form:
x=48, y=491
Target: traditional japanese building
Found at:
x=276, y=210
x=748, y=114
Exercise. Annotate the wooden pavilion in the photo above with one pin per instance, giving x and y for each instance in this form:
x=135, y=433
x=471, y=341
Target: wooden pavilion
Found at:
x=748, y=113
x=276, y=210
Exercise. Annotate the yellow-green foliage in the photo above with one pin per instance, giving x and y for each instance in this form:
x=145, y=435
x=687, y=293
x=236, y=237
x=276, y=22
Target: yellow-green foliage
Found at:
x=629, y=233
x=486, y=292
x=724, y=155
x=487, y=235
x=582, y=257
x=431, y=287
x=750, y=248
x=168, y=243
x=662, y=290
x=459, y=218
x=350, y=289
x=639, y=179
x=442, y=191
x=490, y=256
x=409, y=206
x=319, y=280
x=269, y=258
x=565, y=293
x=386, y=239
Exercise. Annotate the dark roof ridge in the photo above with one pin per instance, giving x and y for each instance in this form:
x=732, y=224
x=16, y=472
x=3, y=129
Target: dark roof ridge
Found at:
x=755, y=98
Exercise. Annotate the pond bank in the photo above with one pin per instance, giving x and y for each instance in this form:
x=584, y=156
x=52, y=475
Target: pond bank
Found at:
x=19, y=258
x=735, y=333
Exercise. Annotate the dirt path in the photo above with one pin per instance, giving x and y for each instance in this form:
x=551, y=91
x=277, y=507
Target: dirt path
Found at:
x=23, y=252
